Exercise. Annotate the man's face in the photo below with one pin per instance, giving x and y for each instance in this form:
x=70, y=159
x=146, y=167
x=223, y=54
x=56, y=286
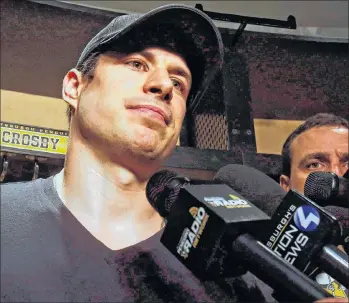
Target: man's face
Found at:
x=135, y=104
x=318, y=149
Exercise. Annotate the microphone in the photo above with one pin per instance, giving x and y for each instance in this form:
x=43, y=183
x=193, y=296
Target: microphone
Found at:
x=346, y=175
x=326, y=188
x=299, y=229
x=163, y=188
x=208, y=230
x=342, y=216
x=322, y=276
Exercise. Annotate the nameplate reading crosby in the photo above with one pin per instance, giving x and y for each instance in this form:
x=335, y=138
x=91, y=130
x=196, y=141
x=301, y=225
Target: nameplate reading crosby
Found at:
x=24, y=138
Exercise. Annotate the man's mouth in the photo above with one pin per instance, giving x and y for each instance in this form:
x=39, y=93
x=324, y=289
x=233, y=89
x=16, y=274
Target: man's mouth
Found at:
x=152, y=112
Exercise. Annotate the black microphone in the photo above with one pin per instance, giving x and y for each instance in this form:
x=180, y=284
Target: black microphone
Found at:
x=346, y=175
x=330, y=255
x=208, y=230
x=326, y=188
x=342, y=216
x=299, y=231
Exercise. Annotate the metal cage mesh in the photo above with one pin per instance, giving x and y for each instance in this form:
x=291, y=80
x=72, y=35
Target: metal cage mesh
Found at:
x=211, y=131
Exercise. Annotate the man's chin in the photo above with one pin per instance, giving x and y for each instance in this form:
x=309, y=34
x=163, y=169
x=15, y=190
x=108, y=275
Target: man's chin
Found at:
x=153, y=149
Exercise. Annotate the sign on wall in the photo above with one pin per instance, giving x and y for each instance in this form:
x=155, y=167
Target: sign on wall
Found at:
x=33, y=140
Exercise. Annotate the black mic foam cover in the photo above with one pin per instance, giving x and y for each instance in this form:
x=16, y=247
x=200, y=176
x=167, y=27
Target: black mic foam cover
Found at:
x=326, y=188
x=319, y=185
x=159, y=195
x=255, y=186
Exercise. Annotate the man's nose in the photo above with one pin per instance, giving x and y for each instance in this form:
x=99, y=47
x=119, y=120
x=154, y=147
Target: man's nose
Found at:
x=160, y=85
x=338, y=169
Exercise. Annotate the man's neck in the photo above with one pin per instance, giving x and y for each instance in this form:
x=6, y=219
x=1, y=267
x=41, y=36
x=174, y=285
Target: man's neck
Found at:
x=108, y=199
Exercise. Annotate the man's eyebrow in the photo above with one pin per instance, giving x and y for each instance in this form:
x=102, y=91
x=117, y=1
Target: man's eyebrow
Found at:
x=318, y=155
x=344, y=156
x=180, y=72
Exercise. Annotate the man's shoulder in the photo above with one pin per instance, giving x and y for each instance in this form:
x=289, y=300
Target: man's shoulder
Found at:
x=24, y=195
x=17, y=190
x=9, y=188
x=24, y=205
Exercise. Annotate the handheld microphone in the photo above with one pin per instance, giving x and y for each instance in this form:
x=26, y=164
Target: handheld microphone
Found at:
x=299, y=231
x=208, y=231
x=326, y=188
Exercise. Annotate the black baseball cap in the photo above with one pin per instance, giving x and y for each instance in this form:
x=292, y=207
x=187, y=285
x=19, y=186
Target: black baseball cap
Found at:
x=199, y=40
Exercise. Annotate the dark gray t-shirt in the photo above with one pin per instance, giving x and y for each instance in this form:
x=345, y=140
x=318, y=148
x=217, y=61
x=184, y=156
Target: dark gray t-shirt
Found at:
x=48, y=256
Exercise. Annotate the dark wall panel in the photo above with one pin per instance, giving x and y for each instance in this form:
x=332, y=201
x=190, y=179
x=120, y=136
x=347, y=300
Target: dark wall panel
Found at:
x=40, y=43
x=289, y=79
x=286, y=78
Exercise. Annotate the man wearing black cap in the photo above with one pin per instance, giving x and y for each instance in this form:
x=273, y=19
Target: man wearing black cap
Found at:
x=88, y=234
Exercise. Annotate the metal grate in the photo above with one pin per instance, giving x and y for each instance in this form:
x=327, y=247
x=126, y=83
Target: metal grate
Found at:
x=211, y=131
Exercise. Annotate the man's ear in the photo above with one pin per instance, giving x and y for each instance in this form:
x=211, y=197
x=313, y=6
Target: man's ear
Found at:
x=285, y=182
x=72, y=87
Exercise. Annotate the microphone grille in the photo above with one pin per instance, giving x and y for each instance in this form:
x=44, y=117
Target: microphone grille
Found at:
x=157, y=183
x=162, y=191
x=319, y=185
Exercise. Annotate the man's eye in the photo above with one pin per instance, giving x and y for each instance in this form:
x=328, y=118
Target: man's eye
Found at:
x=177, y=84
x=137, y=65
x=314, y=165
